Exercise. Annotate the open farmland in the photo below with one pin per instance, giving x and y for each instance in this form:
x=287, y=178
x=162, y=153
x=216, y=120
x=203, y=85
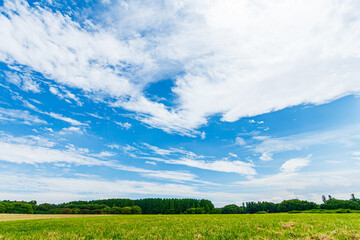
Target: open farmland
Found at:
x=244, y=226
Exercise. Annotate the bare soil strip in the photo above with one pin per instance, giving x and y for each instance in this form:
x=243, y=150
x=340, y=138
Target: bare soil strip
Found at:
x=12, y=217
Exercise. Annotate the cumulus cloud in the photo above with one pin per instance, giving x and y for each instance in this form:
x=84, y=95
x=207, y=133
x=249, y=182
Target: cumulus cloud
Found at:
x=71, y=130
x=230, y=58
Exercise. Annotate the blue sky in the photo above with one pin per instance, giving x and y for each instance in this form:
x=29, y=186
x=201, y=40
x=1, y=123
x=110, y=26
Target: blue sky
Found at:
x=230, y=101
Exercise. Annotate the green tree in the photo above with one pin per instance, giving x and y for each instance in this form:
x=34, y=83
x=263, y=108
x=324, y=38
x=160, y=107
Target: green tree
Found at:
x=2, y=207
x=230, y=209
x=126, y=210
x=66, y=211
x=135, y=210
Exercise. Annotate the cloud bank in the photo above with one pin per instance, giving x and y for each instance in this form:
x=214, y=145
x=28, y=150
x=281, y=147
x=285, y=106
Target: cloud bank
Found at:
x=227, y=58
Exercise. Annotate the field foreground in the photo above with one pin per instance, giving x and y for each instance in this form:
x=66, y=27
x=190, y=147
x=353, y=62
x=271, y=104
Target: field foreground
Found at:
x=265, y=226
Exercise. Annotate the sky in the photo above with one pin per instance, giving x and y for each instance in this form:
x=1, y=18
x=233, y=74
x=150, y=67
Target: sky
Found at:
x=227, y=100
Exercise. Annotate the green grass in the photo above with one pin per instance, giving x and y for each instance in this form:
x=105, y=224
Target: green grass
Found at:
x=257, y=226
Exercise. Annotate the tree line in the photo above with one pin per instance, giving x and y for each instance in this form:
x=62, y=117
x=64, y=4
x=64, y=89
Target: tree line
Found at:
x=173, y=206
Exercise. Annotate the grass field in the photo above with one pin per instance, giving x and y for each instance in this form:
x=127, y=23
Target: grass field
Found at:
x=265, y=226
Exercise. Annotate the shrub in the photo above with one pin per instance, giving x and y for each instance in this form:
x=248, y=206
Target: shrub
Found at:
x=343, y=210
x=296, y=211
x=135, y=210
x=85, y=211
x=195, y=211
x=96, y=211
x=216, y=211
x=66, y=211
x=126, y=210
x=261, y=212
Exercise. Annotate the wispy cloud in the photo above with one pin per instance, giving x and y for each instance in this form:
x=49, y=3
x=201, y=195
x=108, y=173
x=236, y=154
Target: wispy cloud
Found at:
x=124, y=125
x=222, y=165
x=295, y=164
x=187, y=158
x=234, y=70
x=66, y=119
x=23, y=81
x=22, y=116
x=65, y=94
x=54, y=115
x=268, y=146
x=35, y=150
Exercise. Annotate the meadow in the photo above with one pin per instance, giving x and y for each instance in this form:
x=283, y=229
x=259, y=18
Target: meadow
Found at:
x=240, y=226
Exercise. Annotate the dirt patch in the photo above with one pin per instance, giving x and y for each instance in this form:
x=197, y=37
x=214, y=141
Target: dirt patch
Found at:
x=320, y=237
x=12, y=217
x=288, y=225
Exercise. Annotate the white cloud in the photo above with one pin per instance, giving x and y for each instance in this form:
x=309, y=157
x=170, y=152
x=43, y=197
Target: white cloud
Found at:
x=357, y=156
x=114, y=146
x=56, y=116
x=266, y=156
x=29, y=140
x=240, y=141
x=179, y=176
x=95, y=115
x=150, y=162
x=124, y=125
x=65, y=94
x=238, y=167
x=104, y=154
x=158, y=150
x=89, y=188
x=233, y=155
x=304, y=185
x=62, y=189
x=36, y=150
x=231, y=58
x=66, y=119
x=71, y=130
x=267, y=146
x=62, y=50
x=30, y=85
x=293, y=165
x=190, y=159
x=19, y=116
x=30, y=154
x=24, y=81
